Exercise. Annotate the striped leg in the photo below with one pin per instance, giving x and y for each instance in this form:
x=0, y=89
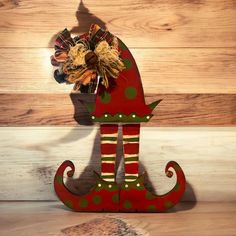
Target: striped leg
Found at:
x=131, y=150
x=109, y=133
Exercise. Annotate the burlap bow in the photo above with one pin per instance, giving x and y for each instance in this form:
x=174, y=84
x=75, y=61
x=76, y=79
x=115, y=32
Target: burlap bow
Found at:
x=80, y=64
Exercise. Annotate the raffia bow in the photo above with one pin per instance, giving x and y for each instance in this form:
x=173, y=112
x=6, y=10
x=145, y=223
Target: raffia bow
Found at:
x=105, y=62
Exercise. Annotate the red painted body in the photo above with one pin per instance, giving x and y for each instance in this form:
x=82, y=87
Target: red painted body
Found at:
x=132, y=197
x=100, y=198
x=122, y=103
x=119, y=103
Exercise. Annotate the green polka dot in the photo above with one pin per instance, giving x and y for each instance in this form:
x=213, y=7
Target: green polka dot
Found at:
x=127, y=63
x=97, y=199
x=83, y=203
x=115, y=198
x=149, y=196
x=168, y=205
x=122, y=45
x=151, y=208
x=127, y=204
x=130, y=92
x=105, y=97
x=59, y=179
x=177, y=187
x=90, y=107
x=69, y=204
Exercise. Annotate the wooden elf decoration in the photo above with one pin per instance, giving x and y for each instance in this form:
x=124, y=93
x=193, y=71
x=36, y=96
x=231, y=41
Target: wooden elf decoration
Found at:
x=100, y=61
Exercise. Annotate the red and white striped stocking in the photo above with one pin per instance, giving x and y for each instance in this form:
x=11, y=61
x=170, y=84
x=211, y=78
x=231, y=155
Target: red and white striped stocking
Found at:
x=131, y=150
x=109, y=133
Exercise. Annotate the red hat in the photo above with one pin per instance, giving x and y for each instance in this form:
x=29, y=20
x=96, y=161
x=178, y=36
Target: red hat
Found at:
x=125, y=101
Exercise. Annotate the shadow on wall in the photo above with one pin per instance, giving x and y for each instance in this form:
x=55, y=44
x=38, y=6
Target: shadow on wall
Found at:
x=189, y=198
x=85, y=181
x=85, y=18
x=81, y=115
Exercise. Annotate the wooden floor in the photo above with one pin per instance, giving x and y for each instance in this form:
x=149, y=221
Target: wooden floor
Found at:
x=51, y=218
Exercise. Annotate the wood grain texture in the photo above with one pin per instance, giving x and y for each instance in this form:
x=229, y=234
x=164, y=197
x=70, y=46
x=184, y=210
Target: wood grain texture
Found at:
x=67, y=110
x=25, y=218
x=182, y=23
x=31, y=155
x=162, y=70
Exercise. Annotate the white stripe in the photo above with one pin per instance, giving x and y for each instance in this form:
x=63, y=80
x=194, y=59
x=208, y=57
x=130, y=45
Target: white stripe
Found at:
x=128, y=142
x=109, y=135
x=108, y=142
x=110, y=180
x=130, y=180
x=136, y=175
x=108, y=155
x=131, y=136
x=108, y=162
x=130, y=162
x=131, y=155
x=107, y=173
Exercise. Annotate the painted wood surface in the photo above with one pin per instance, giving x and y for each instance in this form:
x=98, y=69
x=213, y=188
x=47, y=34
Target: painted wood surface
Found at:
x=149, y=23
x=168, y=70
x=31, y=155
x=69, y=109
x=211, y=219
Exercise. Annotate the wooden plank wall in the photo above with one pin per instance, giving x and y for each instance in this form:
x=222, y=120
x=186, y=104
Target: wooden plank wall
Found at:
x=186, y=53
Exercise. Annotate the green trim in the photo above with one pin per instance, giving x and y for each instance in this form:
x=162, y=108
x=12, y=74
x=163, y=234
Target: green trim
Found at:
x=131, y=140
x=108, y=138
x=108, y=158
x=130, y=177
x=131, y=118
x=127, y=159
x=103, y=184
x=154, y=104
x=136, y=184
x=107, y=176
